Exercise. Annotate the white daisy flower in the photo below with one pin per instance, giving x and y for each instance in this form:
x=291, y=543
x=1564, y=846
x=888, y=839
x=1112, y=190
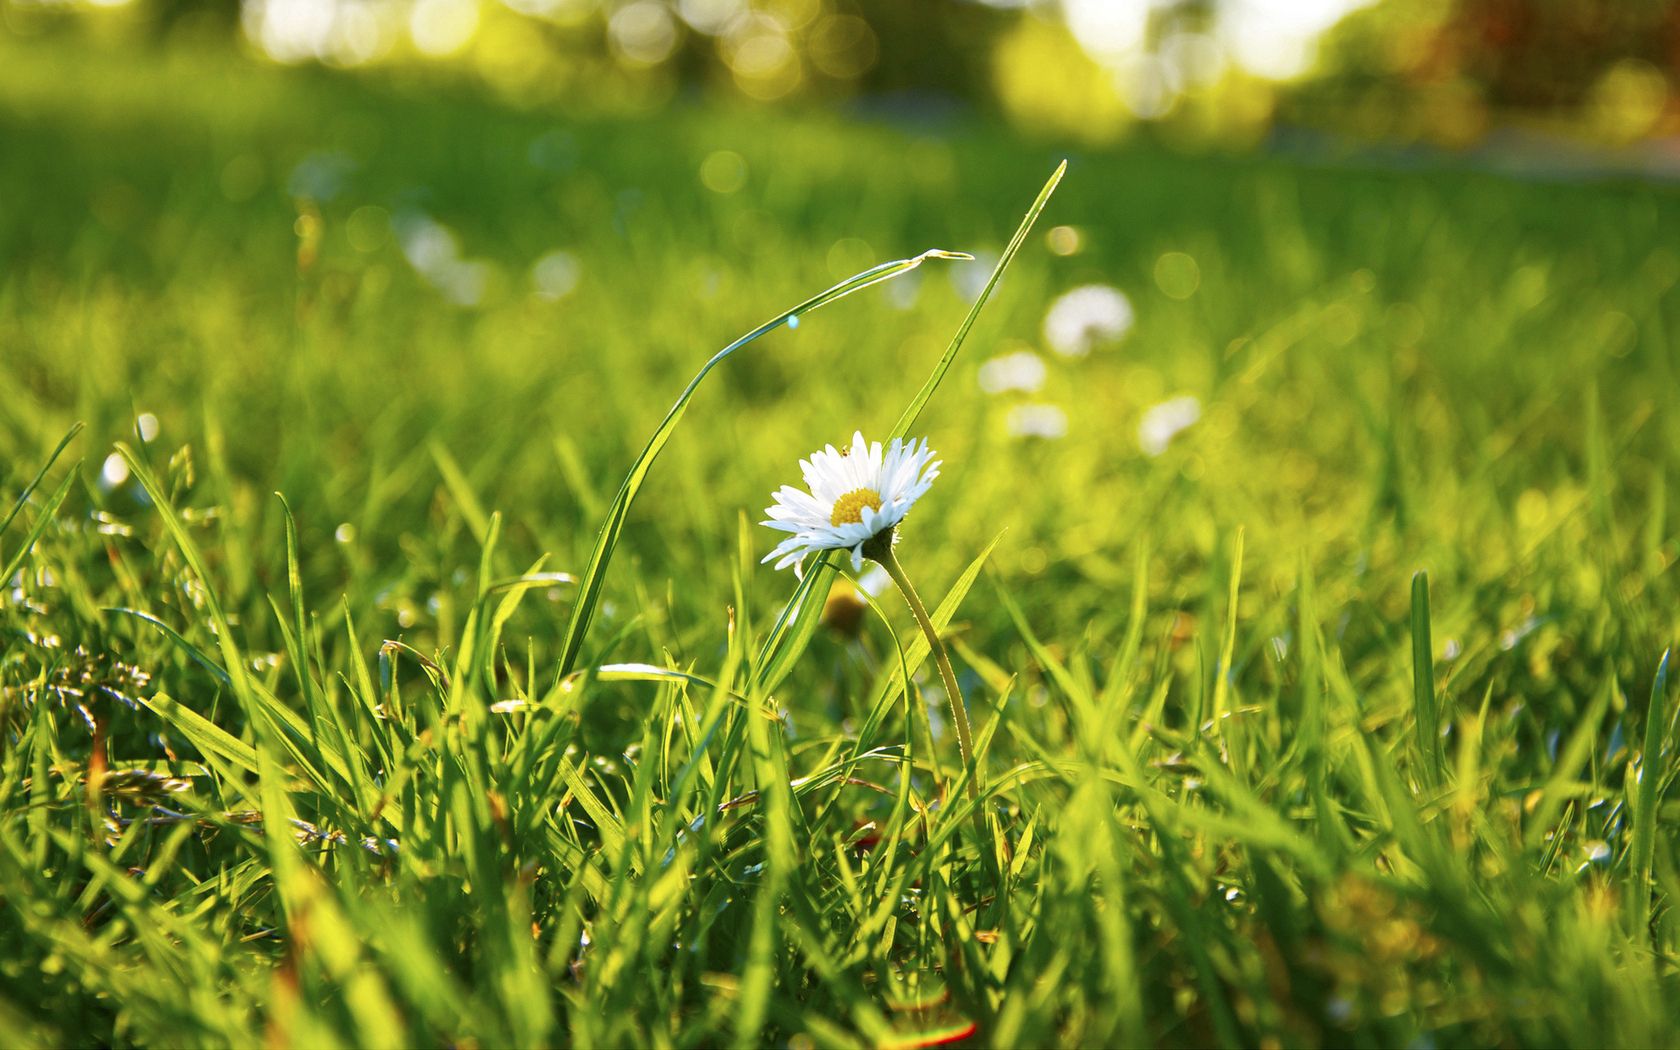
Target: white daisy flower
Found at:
x=1163, y=422
x=857, y=495
x=1087, y=317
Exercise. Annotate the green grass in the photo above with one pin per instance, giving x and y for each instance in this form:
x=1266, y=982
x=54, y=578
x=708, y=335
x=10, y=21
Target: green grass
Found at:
x=1250, y=779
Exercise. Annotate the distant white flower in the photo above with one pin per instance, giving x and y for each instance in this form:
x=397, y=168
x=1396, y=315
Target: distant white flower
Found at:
x=1022, y=370
x=1038, y=421
x=554, y=276
x=1161, y=423
x=431, y=247
x=856, y=495
x=434, y=251
x=1086, y=317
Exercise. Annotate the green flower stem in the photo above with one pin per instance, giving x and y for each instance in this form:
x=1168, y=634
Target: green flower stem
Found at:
x=959, y=713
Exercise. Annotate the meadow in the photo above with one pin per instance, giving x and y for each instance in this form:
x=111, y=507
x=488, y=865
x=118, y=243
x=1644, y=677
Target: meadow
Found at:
x=1338, y=716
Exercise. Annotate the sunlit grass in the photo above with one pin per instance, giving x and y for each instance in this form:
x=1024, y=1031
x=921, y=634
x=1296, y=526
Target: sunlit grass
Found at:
x=370, y=777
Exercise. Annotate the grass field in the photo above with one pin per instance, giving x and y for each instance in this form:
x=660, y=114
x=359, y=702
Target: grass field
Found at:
x=315, y=776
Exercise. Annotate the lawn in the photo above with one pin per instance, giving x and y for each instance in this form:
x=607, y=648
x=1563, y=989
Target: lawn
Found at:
x=1333, y=718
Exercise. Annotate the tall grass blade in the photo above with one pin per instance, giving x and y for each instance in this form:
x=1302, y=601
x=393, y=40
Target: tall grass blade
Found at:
x=42, y=520
x=35, y=482
x=1426, y=713
x=1644, y=844
x=914, y=410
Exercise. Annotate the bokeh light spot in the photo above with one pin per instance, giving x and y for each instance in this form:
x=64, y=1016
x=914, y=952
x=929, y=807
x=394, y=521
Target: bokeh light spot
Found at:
x=723, y=171
x=643, y=33
x=1063, y=240
x=442, y=27
x=368, y=228
x=555, y=275
x=1177, y=275
x=849, y=255
x=843, y=47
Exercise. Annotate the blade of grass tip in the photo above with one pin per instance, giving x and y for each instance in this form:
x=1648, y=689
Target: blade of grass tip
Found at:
x=321, y=707
x=1570, y=760
x=455, y=479
x=1645, y=814
x=771, y=776
x=1118, y=687
x=42, y=520
x=1227, y=648
x=914, y=410
x=479, y=662
x=589, y=586
x=35, y=482
x=233, y=662
x=782, y=648
x=1423, y=682
x=294, y=589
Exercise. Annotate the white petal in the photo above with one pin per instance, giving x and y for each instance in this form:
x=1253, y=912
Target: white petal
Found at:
x=900, y=472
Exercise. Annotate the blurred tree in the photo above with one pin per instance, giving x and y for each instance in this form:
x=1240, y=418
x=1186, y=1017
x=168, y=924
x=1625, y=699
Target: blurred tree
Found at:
x=1434, y=70
x=1443, y=69
x=195, y=15
x=942, y=46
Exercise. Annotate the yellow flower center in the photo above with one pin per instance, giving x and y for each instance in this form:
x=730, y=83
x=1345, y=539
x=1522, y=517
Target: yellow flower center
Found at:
x=848, y=509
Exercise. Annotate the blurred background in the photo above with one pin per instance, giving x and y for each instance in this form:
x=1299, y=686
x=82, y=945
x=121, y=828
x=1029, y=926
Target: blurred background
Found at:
x=1451, y=73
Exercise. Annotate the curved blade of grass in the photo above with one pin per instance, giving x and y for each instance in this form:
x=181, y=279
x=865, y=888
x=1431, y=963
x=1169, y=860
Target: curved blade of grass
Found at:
x=798, y=621
x=1645, y=812
x=198, y=655
x=35, y=482
x=42, y=520
x=204, y=734
x=796, y=624
x=589, y=585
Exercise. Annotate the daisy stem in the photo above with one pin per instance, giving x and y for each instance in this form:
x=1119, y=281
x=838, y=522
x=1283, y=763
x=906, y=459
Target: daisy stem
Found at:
x=959, y=712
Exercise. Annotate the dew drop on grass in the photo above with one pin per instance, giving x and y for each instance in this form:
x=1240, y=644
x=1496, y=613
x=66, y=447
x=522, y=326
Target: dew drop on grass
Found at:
x=793, y=320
